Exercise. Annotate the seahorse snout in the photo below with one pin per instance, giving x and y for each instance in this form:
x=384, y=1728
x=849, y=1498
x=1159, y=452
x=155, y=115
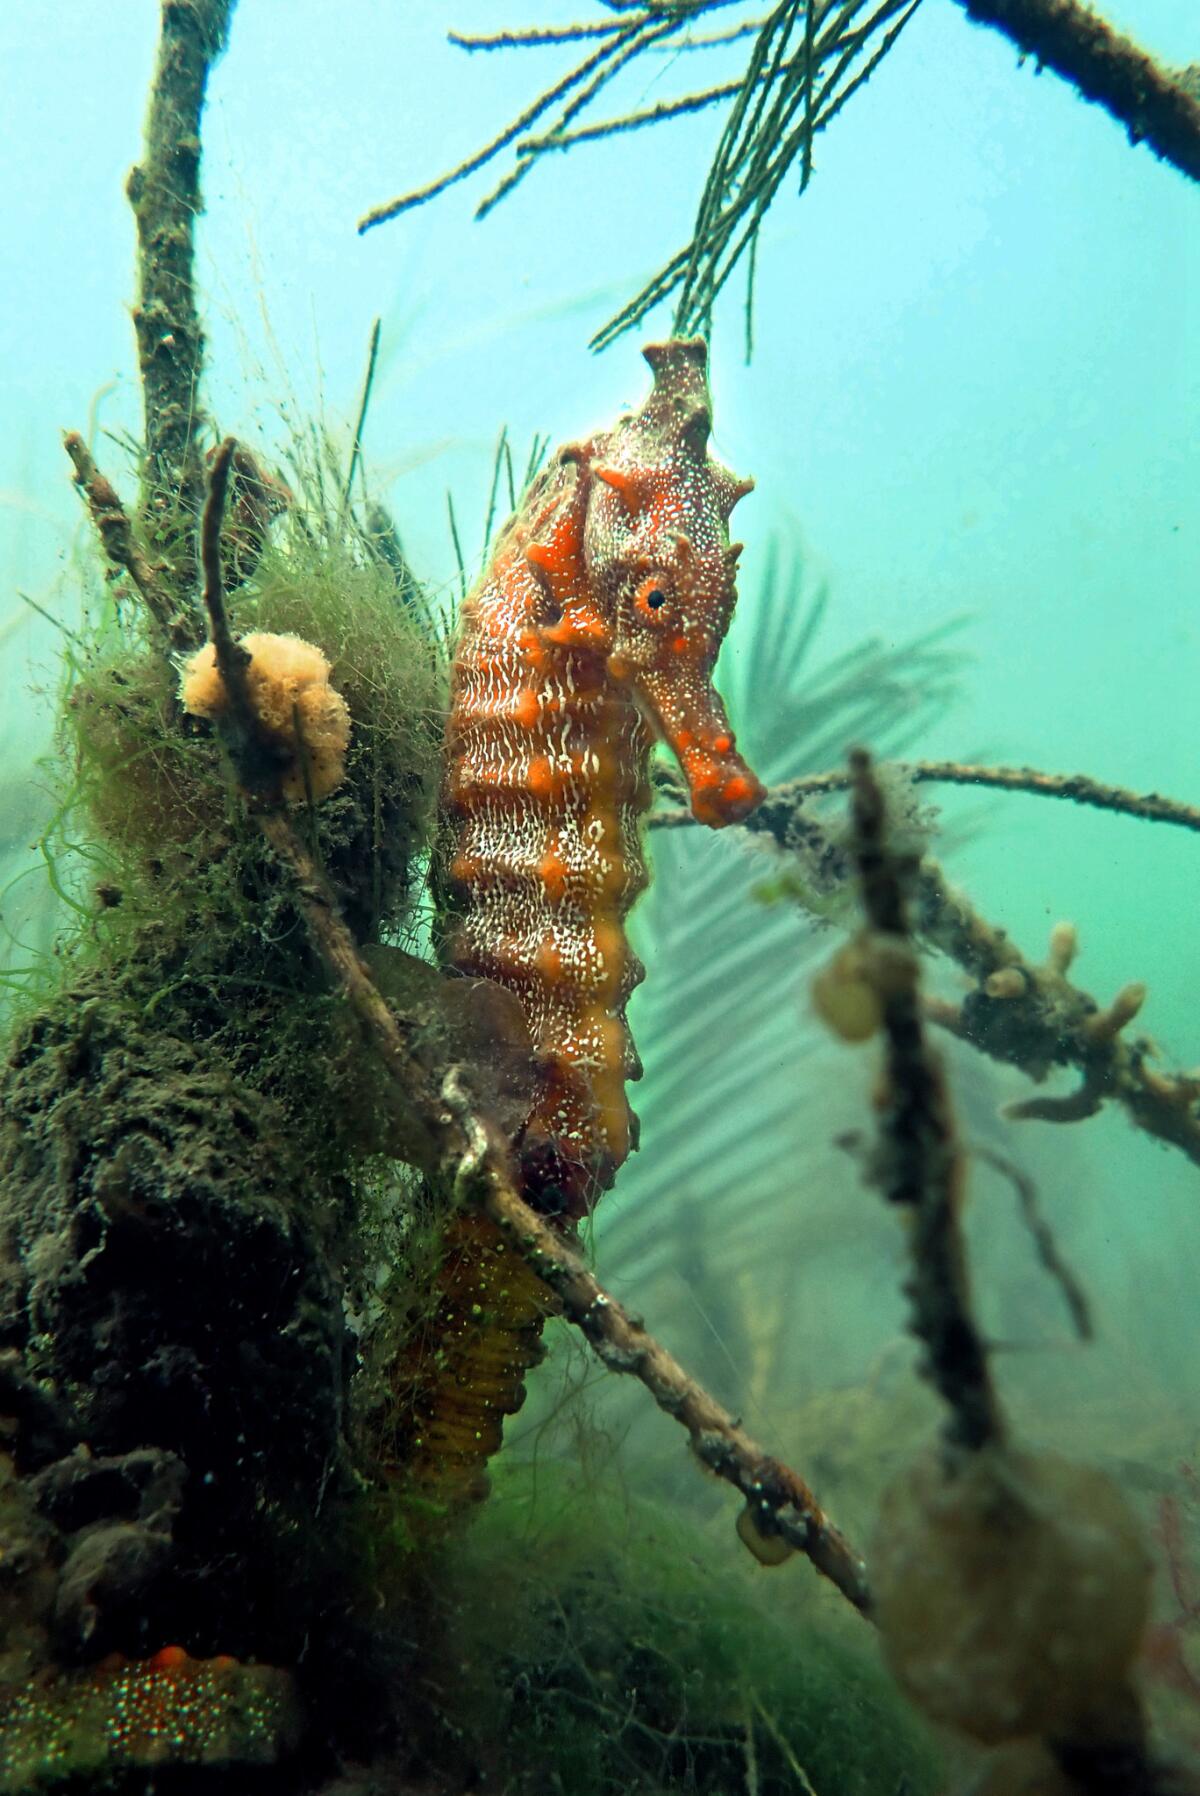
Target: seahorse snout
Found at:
x=725, y=793
x=687, y=713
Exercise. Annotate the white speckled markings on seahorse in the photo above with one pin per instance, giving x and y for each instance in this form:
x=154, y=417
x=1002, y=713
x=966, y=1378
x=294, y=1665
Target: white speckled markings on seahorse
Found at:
x=594, y=630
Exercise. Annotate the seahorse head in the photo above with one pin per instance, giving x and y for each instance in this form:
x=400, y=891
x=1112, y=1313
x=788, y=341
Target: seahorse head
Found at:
x=662, y=573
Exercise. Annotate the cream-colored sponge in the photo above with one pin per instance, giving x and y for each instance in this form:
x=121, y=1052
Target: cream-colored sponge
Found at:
x=297, y=708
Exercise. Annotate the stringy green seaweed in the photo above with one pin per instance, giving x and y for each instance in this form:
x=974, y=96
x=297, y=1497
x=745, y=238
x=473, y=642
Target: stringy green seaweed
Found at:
x=600, y=1646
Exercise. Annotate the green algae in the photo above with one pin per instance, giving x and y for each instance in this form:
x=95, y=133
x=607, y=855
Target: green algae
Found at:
x=151, y=783
x=602, y=1646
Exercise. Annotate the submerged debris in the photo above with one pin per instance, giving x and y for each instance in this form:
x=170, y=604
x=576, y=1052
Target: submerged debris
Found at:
x=170, y=1710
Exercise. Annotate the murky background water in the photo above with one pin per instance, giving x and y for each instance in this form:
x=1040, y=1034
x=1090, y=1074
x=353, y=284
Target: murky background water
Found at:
x=973, y=395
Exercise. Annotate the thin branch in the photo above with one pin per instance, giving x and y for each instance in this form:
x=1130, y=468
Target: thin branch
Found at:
x=1026, y=1015
x=537, y=35
x=623, y=53
x=256, y=752
x=786, y=94
x=420, y=195
x=232, y=660
x=1044, y=1243
x=778, y=1499
x=770, y=155
x=755, y=149
x=121, y=546
x=1077, y=788
x=256, y=760
x=460, y=1148
x=1154, y=106
x=629, y=121
x=754, y=155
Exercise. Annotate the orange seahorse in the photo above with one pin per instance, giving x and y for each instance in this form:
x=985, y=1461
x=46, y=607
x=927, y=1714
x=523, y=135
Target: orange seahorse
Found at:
x=593, y=632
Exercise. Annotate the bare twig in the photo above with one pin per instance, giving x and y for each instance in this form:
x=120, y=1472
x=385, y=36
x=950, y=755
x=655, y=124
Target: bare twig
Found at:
x=1046, y=1246
x=1152, y=104
x=121, y=546
x=921, y=1162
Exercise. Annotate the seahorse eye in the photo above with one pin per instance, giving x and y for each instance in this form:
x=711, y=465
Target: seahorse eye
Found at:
x=650, y=599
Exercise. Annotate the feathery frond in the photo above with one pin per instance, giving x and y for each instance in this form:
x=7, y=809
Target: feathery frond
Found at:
x=807, y=57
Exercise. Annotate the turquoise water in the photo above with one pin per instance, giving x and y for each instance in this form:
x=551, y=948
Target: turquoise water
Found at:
x=973, y=395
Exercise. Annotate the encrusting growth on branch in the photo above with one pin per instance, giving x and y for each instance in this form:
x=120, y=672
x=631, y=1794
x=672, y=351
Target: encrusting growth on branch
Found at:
x=1031, y=1016
x=1154, y=106
x=164, y=192
x=920, y=1165
x=1077, y=788
x=1012, y=1587
x=1035, y=1018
